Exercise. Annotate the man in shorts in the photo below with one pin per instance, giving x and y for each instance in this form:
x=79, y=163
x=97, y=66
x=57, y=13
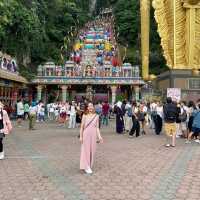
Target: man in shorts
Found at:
x=170, y=112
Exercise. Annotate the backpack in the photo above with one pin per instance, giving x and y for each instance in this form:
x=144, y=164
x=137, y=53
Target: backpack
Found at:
x=183, y=117
x=170, y=113
x=98, y=110
x=129, y=112
x=141, y=116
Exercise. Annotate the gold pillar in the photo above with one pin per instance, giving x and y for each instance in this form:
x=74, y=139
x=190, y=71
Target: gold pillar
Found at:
x=145, y=24
x=191, y=10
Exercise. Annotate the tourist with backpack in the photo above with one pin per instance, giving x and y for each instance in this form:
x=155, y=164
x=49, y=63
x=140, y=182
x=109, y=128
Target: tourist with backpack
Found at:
x=128, y=117
x=142, y=117
x=183, y=118
x=32, y=115
x=136, y=124
x=191, y=109
x=170, y=112
x=195, y=125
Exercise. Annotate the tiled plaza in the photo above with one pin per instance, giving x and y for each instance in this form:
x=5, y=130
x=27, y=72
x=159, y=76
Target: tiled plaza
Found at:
x=44, y=165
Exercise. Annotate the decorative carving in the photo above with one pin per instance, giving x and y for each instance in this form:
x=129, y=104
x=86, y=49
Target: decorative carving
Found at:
x=89, y=93
x=193, y=2
x=180, y=41
x=164, y=19
x=197, y=41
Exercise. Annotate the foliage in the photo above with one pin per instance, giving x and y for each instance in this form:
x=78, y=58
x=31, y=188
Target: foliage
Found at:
x=28, y=73
x=33, y=30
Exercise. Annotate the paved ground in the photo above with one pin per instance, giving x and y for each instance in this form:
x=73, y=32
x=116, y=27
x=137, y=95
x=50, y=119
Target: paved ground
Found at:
x=44, y=165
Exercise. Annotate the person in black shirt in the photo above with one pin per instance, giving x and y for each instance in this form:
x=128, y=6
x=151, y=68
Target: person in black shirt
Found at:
x=170, y=112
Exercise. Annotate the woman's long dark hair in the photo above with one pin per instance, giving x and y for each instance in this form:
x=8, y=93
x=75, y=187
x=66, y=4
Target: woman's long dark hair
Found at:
x=1, y=113
x=191, y=104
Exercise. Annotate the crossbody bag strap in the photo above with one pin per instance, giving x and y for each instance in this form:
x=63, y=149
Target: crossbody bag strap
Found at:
x=90, y=122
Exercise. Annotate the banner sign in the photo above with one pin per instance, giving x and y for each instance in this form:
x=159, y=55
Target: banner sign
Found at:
x=174, y=93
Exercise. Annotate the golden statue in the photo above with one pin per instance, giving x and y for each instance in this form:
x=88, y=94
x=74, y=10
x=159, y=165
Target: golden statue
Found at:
x=179, y=29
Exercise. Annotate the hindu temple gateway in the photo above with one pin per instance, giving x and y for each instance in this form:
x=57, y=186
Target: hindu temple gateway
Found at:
x=95, y=69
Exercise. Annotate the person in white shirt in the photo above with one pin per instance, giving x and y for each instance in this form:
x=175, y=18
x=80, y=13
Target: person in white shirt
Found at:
x=136, y=124
x=128, y=117
x=40, y=104
x=153, y=107
x=20, y=112
x=63, y=113
x=72, y=115
x=51, y=115
x=158, y=118
x=42, y=114
x=142, y=117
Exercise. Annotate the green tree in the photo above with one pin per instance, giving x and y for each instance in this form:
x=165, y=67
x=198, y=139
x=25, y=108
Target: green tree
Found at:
x=33, y=30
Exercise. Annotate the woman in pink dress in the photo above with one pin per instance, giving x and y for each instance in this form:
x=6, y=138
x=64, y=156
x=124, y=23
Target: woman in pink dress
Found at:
x=89, y=133
x=5, y=128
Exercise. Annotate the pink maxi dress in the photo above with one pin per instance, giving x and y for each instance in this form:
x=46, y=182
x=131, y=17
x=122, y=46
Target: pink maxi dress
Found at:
x=88, y=146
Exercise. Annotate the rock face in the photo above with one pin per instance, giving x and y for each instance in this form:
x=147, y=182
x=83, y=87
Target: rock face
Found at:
x=92, y=5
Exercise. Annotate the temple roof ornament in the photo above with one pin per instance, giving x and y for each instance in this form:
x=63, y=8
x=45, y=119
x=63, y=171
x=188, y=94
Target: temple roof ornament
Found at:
x=40, y=68
x=49, y=65
x=69, y=63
